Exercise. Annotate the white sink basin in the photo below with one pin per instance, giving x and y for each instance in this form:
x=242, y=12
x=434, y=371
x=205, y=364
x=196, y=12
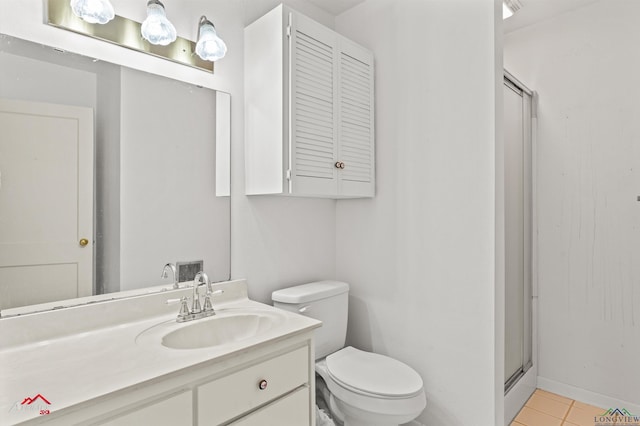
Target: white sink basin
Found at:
x=225, y=327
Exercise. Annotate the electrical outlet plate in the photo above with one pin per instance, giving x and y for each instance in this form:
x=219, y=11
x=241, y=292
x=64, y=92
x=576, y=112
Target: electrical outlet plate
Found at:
x=188, y=270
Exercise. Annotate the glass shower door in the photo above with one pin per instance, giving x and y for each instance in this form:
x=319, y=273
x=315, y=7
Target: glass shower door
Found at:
x=517, y=157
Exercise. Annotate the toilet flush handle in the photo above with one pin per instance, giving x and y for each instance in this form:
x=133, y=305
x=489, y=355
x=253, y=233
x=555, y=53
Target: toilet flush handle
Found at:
x=304, y=309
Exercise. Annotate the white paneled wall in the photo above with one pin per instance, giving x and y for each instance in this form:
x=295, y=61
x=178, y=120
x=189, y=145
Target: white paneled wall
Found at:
x=420, y=256
x=585, y=64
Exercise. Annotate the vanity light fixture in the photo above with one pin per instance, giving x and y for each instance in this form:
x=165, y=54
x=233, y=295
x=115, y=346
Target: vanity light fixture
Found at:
x=209, y=47
x=93, y=11
x=157, y=29
x=125, y=32
x=509, y=7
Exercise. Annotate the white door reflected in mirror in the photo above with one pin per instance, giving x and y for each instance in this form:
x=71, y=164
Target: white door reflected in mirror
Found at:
x=46, y=202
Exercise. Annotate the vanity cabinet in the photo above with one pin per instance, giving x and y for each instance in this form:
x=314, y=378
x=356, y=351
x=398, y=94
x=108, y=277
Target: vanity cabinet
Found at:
x=309, y=110
x=267, y=386
x=229, y=397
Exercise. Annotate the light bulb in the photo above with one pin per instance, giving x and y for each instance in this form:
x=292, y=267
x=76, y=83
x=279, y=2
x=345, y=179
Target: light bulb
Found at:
x=209, y=47
x=510, y=7
x=506, y=11
x=93, y=11
x=157, y=29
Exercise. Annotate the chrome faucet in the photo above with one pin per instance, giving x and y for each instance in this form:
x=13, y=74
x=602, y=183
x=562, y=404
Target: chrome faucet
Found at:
x=197, y=311
x=170, y=267
x=201, y=278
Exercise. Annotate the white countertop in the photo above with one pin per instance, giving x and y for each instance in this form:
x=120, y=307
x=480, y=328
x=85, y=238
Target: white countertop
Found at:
x=102, y=356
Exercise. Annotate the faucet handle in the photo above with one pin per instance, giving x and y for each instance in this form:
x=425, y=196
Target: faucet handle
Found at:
x=183, y=314
x=184, y=308
x=208, y=307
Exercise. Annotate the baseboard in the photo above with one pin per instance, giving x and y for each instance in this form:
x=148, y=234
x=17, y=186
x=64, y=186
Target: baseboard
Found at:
x=583, y=395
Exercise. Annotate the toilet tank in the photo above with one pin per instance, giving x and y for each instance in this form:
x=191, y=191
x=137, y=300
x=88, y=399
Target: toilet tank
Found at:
x=327, y=301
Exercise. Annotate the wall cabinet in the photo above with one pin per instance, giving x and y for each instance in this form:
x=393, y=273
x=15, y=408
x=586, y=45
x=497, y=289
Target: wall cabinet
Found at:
x=309, y=110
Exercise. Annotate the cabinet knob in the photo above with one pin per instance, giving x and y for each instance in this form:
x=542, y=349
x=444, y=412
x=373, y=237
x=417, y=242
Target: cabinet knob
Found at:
x=339, y=165
x=262, y=385
x=84, y=242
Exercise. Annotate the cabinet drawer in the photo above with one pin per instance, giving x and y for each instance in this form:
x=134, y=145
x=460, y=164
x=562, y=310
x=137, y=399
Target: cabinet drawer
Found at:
x=291, y=410
x=175, y=410
x=230, y=396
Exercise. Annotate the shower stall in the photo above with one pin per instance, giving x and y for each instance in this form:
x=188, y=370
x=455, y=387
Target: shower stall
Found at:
x=519, y=112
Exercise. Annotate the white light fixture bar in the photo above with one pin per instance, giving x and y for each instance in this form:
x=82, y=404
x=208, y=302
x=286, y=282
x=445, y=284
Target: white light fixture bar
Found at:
x=123, y=32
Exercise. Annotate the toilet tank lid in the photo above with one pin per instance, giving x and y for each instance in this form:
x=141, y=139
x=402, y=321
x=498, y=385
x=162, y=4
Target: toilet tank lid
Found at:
x=305, y=293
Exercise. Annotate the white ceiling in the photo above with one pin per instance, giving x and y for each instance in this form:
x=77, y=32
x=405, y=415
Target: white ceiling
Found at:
x=534, y=11
x=336, y=7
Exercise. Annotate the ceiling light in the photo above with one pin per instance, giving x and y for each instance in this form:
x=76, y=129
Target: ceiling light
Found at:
x=157, y=29
x=209, y=47
x=93, y=11
x=509, y=7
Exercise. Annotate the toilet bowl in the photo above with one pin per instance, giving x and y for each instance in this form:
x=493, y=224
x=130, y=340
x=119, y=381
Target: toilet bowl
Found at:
x=360, y=388
x=371, y=389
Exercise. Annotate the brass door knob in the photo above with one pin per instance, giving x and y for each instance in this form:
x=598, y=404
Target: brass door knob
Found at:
x=84, y=242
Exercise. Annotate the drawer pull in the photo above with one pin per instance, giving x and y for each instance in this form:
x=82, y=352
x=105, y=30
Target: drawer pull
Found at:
x=262, y=385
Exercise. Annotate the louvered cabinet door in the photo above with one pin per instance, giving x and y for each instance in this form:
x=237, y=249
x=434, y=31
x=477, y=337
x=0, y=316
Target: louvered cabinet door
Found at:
x=356, y=121
x=313, y=146
x=308, y=109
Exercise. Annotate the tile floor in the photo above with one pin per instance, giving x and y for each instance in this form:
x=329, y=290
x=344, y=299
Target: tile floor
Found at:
x=548, y=409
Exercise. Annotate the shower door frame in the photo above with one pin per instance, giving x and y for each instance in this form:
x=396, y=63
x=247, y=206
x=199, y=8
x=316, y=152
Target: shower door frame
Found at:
x=520, y=386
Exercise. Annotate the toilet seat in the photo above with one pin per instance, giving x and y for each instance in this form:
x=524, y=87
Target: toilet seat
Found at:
x=402, y=402
x=372, y=374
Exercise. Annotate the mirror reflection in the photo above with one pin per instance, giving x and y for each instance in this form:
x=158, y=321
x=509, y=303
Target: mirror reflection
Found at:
x=106, y=174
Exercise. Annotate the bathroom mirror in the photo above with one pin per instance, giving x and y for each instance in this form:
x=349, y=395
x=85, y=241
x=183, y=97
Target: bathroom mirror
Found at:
x=159, y=170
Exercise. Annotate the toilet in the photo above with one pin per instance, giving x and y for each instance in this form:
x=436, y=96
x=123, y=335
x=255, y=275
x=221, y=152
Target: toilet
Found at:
x=359, y=388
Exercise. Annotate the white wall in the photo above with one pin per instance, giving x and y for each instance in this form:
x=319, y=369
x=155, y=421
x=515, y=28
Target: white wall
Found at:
x=585, y=65
x=420, y=256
